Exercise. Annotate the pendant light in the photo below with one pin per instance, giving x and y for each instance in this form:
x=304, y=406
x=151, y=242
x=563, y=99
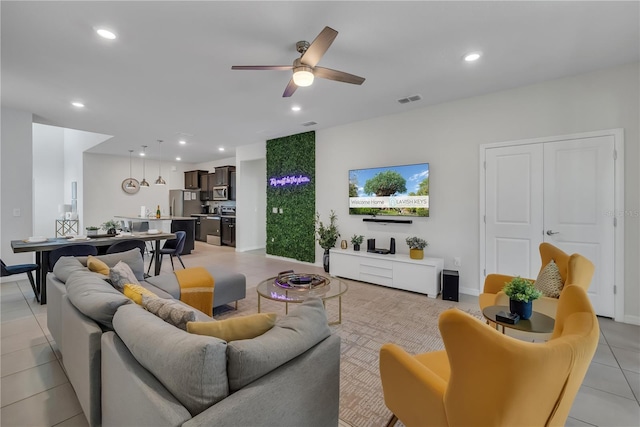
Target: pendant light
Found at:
x=160, y=181
x=130, y=182
x=144, y=183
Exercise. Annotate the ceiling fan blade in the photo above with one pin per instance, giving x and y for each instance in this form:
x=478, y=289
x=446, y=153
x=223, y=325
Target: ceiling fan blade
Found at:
x=262, y=67
x=291, y=87
x=319, y=47
x=340, y=76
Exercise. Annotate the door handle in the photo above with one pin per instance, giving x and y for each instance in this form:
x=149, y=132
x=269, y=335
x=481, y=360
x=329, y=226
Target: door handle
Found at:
x=551, y=233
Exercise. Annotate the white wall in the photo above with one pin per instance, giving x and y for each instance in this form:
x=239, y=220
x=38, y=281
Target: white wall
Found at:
x=15, y=183
x=210, y=166
x=448, y=136
x=48, y=178
x=104, y=197
x=251, y=180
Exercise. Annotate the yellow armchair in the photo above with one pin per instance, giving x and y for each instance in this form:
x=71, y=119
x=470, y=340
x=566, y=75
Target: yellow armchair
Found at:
x=485, y=378
x=574, y=269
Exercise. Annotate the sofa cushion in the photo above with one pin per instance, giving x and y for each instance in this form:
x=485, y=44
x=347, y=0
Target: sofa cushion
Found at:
x=132, y=258
x=170, y=310
x=192, y=367
x=65, y=266
x=94, y=297
x=136, y=292
x=97, y=266
x=224, y=279
x=549, y=281
x=235, y=328
x=121, y=274
x=304, y=327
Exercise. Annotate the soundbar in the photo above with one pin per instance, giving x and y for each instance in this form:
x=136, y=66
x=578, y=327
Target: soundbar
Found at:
x=397, y=221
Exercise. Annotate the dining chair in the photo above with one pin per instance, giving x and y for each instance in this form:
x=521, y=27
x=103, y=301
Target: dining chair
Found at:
x=10, y=270
x=172, y=247
x=71, y=250
x=126, y=245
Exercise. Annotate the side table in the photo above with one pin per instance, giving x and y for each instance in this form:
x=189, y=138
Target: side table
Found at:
x=65, y=227
x=537, y=323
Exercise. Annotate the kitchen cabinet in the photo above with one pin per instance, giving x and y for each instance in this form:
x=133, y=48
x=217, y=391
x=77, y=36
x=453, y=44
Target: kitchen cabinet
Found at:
x=223, y=175
x=192, y=179
x=207, y=183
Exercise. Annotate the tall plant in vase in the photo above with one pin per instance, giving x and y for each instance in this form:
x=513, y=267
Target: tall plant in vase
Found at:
x=327, y=235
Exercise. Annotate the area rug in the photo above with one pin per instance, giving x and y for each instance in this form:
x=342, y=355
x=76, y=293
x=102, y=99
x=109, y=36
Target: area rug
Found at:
x=371, y=316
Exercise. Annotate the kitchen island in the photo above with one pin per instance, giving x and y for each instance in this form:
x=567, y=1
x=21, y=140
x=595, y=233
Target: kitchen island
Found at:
x=167, y=224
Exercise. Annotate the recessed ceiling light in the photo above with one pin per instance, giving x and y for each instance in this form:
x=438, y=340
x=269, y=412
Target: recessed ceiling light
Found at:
x=142, y=154
x=77, y=104
x=473, y=56
x=105, y=34
x=221, y=149
x=295, y=108
x=182, y=142
x=178, y=158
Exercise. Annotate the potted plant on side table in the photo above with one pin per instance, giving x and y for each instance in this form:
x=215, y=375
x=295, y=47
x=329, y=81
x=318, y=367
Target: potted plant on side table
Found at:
x=416, y=247
x=521, y=293
x=327, y=236
x=356, y=241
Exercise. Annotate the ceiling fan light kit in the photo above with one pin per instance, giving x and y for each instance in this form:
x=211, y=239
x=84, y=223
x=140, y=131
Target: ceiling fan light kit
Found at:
x=304, y=68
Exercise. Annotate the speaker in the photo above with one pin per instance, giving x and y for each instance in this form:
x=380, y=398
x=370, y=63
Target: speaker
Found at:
x=392, y=246
x=371, y=245
x=450, y=285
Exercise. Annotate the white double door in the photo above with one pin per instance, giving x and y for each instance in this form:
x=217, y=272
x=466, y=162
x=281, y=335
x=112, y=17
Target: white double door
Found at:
x=558, y=191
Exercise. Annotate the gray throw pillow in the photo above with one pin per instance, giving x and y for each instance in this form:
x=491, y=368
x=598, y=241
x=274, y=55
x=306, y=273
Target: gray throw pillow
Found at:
x=304, y=327
x=169, y=310
x=121, y=274
x=94, y=297
x=65, y=266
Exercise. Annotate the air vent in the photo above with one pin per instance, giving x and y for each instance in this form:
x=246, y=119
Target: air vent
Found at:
x=408, y=99
x=309, y=123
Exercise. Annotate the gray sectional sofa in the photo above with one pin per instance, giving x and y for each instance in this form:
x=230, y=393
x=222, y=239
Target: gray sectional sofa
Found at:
x=131, y=368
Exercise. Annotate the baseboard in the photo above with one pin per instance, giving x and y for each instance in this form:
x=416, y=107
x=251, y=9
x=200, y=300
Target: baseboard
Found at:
x=293, y=260
x=250, y=248
x=631, y=319
x=469, y=291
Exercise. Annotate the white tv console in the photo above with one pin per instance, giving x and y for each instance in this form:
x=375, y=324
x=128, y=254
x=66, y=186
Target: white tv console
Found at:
x=396, y=271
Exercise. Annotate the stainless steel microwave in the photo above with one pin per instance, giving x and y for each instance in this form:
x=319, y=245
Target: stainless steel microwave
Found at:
x=221, y=192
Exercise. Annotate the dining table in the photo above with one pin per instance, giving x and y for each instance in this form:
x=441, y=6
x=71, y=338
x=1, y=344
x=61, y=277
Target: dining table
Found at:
x=42, y=248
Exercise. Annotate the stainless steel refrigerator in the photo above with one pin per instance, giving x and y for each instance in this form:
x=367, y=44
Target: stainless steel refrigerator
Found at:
x=184, y=202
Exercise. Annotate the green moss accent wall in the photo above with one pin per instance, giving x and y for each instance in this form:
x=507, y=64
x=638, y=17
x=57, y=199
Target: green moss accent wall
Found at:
x=292, y=233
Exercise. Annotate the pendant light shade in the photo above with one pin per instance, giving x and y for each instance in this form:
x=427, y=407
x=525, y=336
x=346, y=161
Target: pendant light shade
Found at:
x=129, y=183
x=144, y=183
x=160, y=181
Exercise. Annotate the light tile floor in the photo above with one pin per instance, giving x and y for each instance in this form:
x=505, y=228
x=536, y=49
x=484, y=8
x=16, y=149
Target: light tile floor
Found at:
x=36, y=392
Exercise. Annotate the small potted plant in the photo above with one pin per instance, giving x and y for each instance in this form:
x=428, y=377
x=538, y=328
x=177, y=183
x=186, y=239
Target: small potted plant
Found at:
x=327, y=236
x=110, y=226
x=92, y=230
x=416, y=247
x=521, y=293
x=356, y=241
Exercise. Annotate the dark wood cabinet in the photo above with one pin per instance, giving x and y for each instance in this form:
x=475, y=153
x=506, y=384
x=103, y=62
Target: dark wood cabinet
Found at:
x=192, y=179
x=207, y=182
x=223, y=175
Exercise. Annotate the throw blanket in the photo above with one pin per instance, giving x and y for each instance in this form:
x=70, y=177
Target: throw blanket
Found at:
x=196, y=288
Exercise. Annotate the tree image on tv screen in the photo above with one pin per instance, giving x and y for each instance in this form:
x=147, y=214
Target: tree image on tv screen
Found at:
x=386, y=183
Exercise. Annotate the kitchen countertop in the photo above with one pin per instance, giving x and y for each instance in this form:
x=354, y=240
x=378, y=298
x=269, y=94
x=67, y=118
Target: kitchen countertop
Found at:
x=153, y=218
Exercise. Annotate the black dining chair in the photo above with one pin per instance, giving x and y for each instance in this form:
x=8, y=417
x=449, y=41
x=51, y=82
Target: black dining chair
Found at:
x=172, y=247
x=127, y=245
x=71, y=250
x=10, y=270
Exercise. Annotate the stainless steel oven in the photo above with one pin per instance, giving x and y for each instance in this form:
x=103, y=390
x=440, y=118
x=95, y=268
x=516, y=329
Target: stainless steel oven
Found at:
x=221, y=192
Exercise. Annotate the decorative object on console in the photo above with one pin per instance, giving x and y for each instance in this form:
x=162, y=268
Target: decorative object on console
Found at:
x=371, y=247
x=416, y=247
x=327, y=236
x=356, y=241
x=521, y=293
x=343, y=244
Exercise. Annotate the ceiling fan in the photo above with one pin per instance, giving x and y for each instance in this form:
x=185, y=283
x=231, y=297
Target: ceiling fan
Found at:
x=304, y=68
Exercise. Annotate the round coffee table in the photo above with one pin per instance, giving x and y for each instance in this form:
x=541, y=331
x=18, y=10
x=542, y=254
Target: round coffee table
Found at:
x=537, y=323
x=276, y=289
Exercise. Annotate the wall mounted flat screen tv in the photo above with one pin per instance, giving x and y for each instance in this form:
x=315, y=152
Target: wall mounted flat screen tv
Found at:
x=390, y=191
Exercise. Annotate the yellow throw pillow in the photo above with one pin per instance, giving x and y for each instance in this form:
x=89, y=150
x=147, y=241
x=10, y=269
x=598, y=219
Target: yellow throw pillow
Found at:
x=97, y=266
x=135, y=292
x=236, y=328
x=549, y=281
